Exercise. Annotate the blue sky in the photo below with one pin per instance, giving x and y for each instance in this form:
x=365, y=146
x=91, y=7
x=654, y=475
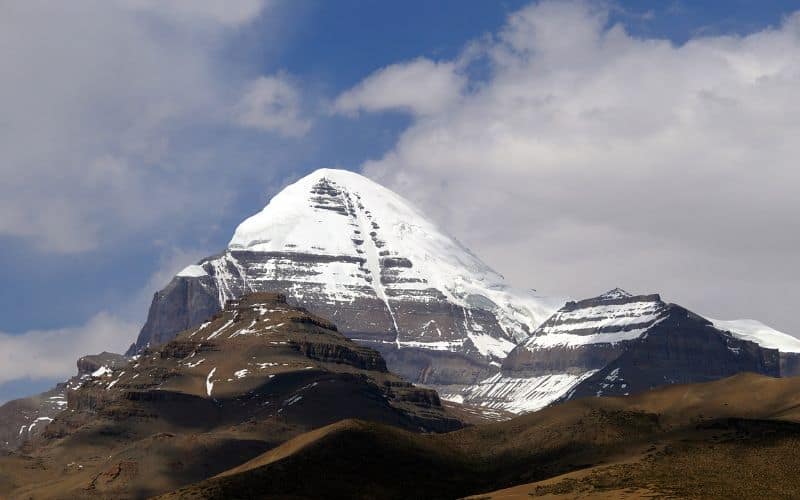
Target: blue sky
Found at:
x=175, y=166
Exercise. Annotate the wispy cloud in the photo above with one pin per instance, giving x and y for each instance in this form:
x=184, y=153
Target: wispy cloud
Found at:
x=420, y=86
x=49, y=354
x=273, y=104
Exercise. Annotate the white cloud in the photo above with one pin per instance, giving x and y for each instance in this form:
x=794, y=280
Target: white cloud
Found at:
x=229, y=12
x=588, y=158
x=97, y=97
x=52, y=354
x=42, y=354
x=272, y=103
x=420, y=86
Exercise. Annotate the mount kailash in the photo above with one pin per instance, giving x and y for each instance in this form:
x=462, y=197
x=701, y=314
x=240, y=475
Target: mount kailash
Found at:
x=352, y=251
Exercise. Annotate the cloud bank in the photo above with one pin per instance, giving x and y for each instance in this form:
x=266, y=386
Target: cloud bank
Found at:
x=578, y=157
x=99, y=100
x=51, y=354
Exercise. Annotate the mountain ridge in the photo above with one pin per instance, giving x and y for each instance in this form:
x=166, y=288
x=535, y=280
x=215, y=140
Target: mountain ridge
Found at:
x=352, y=250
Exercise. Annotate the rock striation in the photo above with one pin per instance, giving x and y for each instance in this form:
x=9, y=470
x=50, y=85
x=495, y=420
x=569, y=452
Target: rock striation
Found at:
x=351, y=250
x=617, y=344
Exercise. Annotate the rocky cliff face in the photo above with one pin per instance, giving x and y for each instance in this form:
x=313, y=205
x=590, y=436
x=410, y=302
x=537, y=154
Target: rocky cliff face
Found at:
x=251, y=377
x=349, y=249
x=618, y=344
x=251, y=355
x=23, y=420
x=682, y=348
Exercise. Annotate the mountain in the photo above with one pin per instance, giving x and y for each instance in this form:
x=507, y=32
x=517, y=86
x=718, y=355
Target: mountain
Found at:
x=732, y=438
x=765, y=336
x=255, y=375
x=351, y=250
x=619, y=344
x=24, y=419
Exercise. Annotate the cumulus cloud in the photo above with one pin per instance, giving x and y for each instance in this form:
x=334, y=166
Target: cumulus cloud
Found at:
x=588, y=158
x=272, y=103
x=420, y=86
x=51, y=354
x=98, y=99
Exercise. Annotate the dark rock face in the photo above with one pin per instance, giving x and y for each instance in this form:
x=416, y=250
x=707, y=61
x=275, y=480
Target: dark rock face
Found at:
x=683, y=348
x=618, y=344
x=790, y=364
x=561, y=359
x=24, y=419
x=189, y=301
x=435, y=368
x=257, y=357
x=184, y=303
x=258, y=373
x=93, y=362
x=587, y=334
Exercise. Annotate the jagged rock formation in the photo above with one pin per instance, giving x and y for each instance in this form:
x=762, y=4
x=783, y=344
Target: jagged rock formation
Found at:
x=617, y=344
x=245, y=353
x=349, y=249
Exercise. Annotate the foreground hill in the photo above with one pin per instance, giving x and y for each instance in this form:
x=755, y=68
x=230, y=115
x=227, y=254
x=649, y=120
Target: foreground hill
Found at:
x=254, y=376
x=733, y=438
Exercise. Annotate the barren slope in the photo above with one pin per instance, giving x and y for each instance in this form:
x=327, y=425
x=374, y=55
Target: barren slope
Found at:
x=648, y=442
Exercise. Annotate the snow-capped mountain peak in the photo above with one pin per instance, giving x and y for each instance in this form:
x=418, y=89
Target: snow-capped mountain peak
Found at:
x=340, y=213
x=616, y=293
x=352, y=250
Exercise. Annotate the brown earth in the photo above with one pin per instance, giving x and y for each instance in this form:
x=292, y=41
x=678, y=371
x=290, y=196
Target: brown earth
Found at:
x=269, y=401
x=733, y=438
x=258, y=374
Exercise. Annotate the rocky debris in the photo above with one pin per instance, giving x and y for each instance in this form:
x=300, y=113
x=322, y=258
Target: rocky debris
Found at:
x=93, y=362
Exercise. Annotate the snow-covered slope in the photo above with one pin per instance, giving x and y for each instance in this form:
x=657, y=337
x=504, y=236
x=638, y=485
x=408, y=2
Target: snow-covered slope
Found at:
x=612, y=317
x=576, y=341
x=619, y=343
x=337, y=213
x=354, y=251
x=758, y=332
x=518, y=394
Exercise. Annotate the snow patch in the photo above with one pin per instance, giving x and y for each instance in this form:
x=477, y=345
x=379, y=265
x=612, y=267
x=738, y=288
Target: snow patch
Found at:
x=490, y=346
x=209, y=382
x=761, y=334
x=518, y=394
x=193, y=271
x=343, y=214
